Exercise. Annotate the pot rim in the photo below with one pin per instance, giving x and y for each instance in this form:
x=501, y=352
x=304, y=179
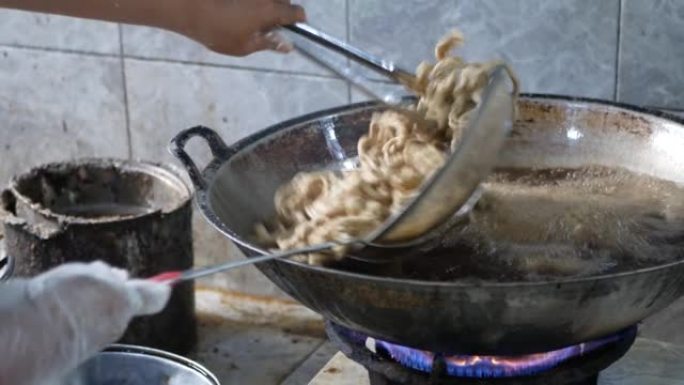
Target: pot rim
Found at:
x=202, y=199
x=169, y=173
x=143, y=350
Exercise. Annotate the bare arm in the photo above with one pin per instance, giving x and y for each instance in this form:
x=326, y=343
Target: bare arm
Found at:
x=234, y=27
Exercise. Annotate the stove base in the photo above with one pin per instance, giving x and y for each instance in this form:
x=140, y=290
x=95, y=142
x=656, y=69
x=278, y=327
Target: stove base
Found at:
x=382, y=370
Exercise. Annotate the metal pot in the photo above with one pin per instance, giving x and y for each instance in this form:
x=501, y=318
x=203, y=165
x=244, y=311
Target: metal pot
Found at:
x=236, y=190
x=135, y=365
x=133, y=215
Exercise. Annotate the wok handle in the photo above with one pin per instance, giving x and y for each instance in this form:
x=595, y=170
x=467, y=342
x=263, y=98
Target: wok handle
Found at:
x=177, y=148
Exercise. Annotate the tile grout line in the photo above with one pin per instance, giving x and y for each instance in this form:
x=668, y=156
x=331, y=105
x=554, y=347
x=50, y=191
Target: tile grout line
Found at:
x=348, y=38
x=618, y=51
x=302, y=361
x=129, y=136
x=232, y=66
x=169, y=61
x=347, y=20
x=59, y=50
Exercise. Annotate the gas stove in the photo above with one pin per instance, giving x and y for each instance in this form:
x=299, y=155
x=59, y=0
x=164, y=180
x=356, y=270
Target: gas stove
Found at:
x=367, y=361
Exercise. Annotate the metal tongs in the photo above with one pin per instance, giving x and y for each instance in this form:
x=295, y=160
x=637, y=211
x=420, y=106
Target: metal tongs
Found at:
x=383, y=67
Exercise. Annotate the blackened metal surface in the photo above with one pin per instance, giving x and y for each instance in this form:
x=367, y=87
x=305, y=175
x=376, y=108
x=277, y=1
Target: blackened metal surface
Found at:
x=132, y=215
x=458, y=317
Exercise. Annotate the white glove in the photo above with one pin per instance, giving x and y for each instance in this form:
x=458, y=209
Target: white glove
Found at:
x=52, y=323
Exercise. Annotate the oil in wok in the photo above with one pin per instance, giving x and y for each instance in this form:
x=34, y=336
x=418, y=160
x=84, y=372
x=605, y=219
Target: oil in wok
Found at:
x=539, y=224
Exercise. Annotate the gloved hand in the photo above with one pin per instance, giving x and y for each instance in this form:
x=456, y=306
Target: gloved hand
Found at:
x=52, y=323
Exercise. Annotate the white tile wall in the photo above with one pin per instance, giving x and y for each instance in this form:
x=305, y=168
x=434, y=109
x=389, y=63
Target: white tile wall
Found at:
x=58, y=32
x=165, y=98
x=57, y=106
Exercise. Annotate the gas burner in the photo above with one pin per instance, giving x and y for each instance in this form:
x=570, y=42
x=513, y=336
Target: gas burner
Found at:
x=480, y=366
x=390, y=363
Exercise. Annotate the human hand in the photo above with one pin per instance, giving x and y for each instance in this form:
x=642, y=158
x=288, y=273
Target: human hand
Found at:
x=240, y=27
x=232, y=27
x=54, y=322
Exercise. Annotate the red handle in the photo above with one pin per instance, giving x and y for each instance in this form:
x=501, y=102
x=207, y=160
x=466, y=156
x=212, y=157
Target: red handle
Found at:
x=169, y=277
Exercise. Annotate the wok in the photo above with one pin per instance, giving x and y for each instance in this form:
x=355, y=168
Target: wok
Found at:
x=236, y=189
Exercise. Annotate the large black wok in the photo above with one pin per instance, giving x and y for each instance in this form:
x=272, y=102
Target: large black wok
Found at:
x=236, y=189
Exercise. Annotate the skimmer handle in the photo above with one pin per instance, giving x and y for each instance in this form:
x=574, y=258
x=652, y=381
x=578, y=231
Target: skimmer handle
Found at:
x=174, y=277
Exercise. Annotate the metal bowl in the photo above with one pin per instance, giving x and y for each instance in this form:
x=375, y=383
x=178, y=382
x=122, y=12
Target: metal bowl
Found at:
x=135, y=365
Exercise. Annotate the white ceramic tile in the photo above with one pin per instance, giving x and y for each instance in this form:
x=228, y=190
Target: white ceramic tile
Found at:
x=651, y=53
x=211, y=247
x=58, y=32
x=566, y=47
x=143, y=42
x=57, y=106
x=165, y=98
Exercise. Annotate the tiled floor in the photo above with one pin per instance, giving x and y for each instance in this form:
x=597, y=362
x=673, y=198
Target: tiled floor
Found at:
x=258, y=340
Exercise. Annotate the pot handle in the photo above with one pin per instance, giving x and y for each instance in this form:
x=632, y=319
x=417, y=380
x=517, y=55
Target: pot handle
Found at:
x=177, y=148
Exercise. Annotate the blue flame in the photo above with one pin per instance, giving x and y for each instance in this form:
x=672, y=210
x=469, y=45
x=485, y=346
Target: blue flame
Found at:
x=495, y=366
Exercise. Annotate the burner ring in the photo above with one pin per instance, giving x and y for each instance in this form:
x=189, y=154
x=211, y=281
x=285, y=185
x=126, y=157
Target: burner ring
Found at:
x=579, y=364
